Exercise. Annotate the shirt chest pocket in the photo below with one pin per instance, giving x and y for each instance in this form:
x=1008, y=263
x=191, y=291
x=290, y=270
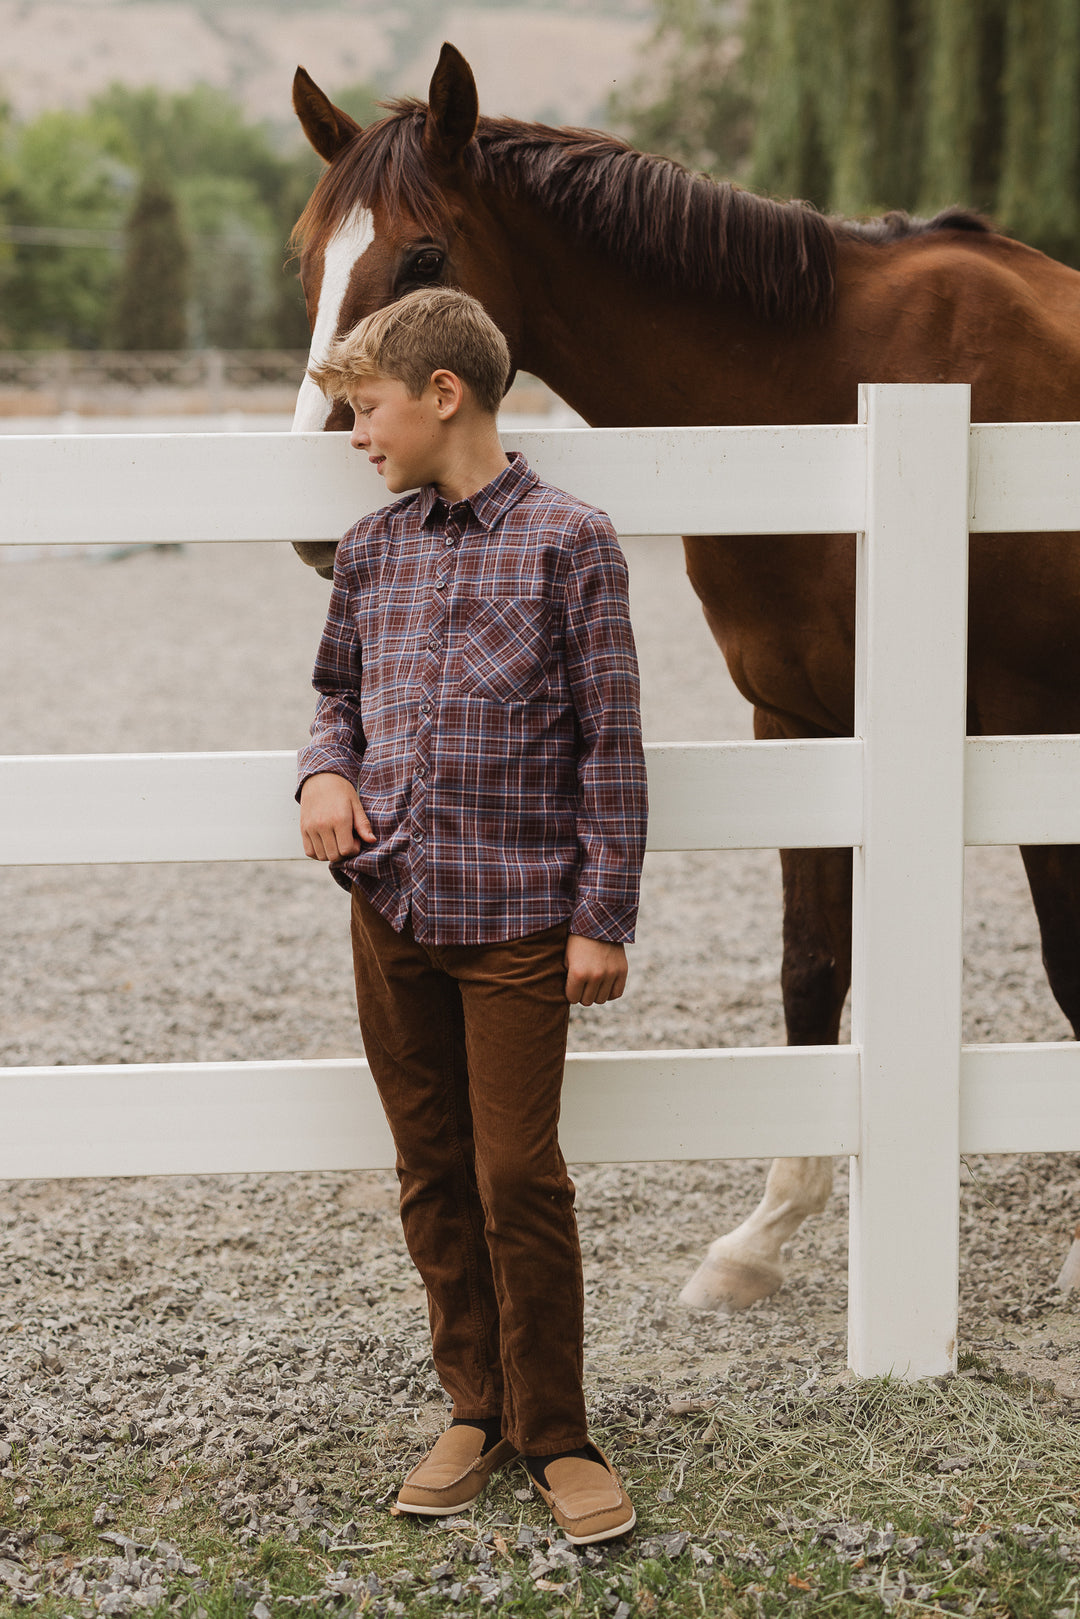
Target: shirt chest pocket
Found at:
x=507, y=647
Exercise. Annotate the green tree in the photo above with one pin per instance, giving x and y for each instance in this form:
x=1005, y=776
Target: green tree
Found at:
x=360, y=101
x=1037, y=192
x=794, y=143
x=151, y=310
x=67, y=184
x=7, y=250
x=862, y=105
x=690, y=102
x=63, y=198
x=235, y=262
x=238, y=198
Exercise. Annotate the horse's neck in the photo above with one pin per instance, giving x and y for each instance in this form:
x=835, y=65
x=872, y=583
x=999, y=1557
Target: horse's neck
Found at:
x=623, y=352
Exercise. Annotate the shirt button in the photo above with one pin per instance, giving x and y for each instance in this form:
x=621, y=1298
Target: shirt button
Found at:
x=418, y=837
x=425, y=708
x=440, y=584
x=448, y=541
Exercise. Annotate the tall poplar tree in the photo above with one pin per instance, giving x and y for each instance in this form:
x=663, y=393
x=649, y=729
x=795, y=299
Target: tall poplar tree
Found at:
x=955, y=88
x=155, y=283
x=863, y=105
x=1037, y=190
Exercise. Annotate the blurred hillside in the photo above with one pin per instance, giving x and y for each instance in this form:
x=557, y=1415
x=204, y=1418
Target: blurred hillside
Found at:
x=554, y=61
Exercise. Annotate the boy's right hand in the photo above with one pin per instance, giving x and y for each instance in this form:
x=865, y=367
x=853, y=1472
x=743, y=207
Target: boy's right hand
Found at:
x=332, y=818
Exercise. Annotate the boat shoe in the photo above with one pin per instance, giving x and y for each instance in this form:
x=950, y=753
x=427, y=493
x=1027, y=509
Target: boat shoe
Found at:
x=586, y=1498
x=453, y=1473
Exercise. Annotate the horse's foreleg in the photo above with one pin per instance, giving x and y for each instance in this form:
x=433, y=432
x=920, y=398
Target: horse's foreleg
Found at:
x=745, y=1264
x=1053, y=873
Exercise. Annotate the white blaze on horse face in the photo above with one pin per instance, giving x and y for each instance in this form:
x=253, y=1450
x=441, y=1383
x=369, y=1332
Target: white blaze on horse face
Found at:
x=351, y=239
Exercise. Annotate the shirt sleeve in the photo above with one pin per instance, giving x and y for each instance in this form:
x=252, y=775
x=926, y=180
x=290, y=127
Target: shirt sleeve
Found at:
x=337, y=732
x=603, y=674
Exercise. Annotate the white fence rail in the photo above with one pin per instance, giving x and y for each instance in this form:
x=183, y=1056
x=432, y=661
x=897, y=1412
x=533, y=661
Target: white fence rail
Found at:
x=140, y=807
x=906, y=793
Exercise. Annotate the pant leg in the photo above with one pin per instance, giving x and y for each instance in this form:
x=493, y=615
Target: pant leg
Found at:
x=516, y=1016
x=413, y=1029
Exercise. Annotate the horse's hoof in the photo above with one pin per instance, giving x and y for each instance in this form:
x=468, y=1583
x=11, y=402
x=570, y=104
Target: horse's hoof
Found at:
x=1069, y=1277
x=726, y=1284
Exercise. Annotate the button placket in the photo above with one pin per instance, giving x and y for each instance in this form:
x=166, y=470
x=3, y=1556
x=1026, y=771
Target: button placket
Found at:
x=436, y=627
x=435, y=647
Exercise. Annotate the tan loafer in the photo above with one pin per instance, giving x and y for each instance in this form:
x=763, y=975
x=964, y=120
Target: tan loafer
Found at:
x=453, y=1473
x=587, y=1499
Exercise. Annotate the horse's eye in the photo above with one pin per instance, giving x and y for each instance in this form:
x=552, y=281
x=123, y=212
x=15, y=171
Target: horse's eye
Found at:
x=426, y=265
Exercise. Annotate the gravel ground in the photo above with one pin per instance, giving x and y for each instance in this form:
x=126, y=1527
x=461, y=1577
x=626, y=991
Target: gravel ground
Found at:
x=227, y=1313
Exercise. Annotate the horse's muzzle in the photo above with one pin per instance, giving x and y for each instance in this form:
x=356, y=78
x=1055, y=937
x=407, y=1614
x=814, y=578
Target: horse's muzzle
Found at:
x=318, y=554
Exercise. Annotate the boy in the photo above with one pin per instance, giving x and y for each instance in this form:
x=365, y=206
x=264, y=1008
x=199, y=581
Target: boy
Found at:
x=476, y=778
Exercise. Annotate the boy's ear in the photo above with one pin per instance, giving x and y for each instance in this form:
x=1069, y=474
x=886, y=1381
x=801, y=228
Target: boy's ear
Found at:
x=449, y=393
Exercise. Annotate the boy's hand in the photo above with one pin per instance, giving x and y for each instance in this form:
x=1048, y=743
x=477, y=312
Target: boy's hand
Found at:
x=332, y=818
x=595, y=971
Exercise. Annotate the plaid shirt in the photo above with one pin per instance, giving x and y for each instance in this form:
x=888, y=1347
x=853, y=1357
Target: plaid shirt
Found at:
x=494, y=737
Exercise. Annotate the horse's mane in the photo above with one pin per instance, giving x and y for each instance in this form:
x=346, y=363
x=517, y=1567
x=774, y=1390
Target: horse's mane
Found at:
x=682, y=230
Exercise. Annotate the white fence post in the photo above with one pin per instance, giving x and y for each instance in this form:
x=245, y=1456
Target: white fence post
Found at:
x=907, y=959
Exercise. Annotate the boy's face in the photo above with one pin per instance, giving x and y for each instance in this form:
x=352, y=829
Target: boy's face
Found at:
x=402, y=436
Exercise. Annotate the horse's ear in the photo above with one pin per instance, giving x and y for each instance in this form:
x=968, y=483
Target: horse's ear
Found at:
x=453, y=106
x=326, y=126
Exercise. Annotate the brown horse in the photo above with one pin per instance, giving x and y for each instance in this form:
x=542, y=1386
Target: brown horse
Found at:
x=645, y=296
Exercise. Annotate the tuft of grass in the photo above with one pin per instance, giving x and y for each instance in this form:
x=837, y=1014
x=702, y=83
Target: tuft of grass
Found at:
x=824, y=1499
x=880, y=1448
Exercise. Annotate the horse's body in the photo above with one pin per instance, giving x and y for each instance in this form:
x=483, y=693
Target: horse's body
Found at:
x=645, y=296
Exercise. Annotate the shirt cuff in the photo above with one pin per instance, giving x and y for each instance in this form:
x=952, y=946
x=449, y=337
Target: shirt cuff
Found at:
x=593, y=918
x=312, y=761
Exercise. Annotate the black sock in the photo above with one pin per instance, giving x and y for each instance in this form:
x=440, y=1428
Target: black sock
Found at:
x=491, y=1427
x=538, y=1465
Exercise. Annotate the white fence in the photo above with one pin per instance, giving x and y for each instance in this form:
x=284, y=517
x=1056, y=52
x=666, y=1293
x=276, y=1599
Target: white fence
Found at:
x=904, y=1099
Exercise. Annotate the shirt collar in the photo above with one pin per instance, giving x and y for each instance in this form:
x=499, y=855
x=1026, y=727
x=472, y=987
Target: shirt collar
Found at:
x=491, y=502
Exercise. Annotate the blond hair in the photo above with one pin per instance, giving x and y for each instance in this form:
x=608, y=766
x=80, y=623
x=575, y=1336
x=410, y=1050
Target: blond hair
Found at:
x=432, y=329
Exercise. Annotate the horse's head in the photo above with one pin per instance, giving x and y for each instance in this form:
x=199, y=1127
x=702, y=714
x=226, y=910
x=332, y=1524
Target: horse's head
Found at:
x=395, y=209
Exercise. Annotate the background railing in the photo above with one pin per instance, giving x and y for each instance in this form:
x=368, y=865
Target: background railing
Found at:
x=95, y=382
x=99, y=382
x=145, y=368
x=912, y=478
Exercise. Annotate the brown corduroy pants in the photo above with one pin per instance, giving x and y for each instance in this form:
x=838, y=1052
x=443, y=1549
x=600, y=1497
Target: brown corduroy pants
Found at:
x=466, y=1044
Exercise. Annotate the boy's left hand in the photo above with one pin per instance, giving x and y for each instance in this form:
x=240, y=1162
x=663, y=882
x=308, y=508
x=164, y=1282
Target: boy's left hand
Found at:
x=595, y=971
